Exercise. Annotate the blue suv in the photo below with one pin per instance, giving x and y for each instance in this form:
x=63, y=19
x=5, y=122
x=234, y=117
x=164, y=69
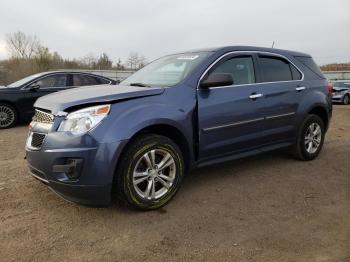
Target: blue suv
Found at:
x=136, y=141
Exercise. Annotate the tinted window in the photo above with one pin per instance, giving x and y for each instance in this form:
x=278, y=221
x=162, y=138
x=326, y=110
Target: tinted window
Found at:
x=103, y=81
x=241, y=69
x=295, y=73
x=84, y=80
x=275, y=69
x=59, y=80
x=310, y=63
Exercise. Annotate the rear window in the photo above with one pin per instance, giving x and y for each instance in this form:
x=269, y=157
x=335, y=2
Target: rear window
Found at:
x=310, y=63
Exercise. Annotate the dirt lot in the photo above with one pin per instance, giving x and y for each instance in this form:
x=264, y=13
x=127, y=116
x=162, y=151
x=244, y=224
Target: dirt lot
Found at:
x=263, y=208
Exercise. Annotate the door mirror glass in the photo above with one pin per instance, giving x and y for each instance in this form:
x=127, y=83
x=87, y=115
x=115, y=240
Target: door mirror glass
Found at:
x=217, y=79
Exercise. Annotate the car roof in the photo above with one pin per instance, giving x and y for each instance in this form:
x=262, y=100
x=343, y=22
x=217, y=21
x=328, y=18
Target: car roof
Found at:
x=70, y=72
x=225, y=49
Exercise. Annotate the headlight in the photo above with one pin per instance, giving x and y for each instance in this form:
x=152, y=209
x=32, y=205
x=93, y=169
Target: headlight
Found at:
x=83, y=120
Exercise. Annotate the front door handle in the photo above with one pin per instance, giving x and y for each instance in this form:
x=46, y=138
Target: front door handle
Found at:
x=300, y=88
x=255, y=96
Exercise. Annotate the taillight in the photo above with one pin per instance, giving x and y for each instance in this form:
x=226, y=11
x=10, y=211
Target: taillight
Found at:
x=330, y=88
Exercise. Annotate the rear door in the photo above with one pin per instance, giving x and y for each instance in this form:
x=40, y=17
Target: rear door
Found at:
x=282, y=89
x=230, y=118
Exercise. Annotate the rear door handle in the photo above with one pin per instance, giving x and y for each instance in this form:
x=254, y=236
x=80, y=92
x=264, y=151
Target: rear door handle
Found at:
x=255, y=96
x=300, y=88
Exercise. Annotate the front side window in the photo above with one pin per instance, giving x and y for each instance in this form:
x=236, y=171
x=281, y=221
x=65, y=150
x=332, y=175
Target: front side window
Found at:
x=275, y=69
x=59, y=80
x=166, y=71
x=240, y=68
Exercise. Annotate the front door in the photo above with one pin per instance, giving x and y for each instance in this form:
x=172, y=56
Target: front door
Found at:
x=44, y=86
x=230, y=117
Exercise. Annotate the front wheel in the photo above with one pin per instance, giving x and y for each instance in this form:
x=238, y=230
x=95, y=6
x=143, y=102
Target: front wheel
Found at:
x=346, y=100
x=310, y=138
x=150, y=172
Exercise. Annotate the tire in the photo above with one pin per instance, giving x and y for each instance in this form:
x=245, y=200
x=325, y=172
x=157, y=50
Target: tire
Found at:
x=346, y=100
x=138, y=172
x=8, y=116
x=302, y=149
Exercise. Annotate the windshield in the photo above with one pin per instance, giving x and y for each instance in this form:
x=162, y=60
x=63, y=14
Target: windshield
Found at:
x=342, y=84
x=166, y=71
x=24, y=80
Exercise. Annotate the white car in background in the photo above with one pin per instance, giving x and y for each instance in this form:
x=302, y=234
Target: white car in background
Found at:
x=341, y=92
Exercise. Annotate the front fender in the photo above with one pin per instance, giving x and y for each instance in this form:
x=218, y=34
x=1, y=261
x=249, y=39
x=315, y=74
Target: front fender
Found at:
x=129, y=117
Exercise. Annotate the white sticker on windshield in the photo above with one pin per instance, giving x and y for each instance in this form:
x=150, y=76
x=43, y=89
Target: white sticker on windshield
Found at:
x=188, y=57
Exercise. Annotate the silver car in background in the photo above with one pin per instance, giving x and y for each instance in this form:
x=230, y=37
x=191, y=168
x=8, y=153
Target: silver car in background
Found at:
x=341, y=92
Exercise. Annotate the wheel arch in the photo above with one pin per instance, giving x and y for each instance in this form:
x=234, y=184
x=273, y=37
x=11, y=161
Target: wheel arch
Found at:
x=320, y=111
x=170, y=132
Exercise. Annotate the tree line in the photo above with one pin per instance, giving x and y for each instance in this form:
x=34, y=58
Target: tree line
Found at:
x=28, y=56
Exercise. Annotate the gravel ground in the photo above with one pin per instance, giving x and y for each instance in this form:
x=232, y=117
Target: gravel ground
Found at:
x=263, y=208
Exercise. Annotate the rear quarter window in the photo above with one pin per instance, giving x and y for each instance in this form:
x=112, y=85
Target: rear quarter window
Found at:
x=310, y=64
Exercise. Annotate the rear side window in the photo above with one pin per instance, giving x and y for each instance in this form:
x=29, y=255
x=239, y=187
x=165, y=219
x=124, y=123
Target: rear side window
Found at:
x=84, y=80
x=275, y=69
x=241, y=69
x=103, y=81
x=310, y=63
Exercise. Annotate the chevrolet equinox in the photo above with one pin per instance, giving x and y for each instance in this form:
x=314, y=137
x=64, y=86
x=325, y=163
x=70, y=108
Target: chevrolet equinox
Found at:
x=136, y=141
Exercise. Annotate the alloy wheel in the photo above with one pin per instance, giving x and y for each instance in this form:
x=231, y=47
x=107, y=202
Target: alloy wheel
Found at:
x=7, y=116
x=154, y=174
x=313, y=137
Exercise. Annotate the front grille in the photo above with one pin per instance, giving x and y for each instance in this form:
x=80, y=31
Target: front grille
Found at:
x=43, y=117
x=37, y=140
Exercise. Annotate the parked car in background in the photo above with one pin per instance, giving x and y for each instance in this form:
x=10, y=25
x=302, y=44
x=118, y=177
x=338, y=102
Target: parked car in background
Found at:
x=17, y=99
x=341, y=92
x=182, y=111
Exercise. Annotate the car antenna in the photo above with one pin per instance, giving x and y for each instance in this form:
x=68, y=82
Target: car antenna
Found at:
x=273, y=44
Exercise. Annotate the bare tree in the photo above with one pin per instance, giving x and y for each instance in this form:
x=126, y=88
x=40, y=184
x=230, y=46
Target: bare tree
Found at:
x=135, y=61
x=89, y=61
x=104, y=62
x=21, y=45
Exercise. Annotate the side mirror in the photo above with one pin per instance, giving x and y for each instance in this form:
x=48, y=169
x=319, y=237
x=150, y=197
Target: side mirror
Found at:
x=217, y=79
x=34, y=87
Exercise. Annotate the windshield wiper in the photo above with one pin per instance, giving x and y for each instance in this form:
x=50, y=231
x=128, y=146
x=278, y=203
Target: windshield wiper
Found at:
x=139, y=84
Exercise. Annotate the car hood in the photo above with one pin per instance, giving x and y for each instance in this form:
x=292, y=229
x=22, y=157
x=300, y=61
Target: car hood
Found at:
x=63, y=100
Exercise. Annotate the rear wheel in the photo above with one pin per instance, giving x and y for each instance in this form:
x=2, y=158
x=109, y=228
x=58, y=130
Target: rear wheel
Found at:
x=310, y=138
x=346, y=100
x=8, y=116
x=150, y=172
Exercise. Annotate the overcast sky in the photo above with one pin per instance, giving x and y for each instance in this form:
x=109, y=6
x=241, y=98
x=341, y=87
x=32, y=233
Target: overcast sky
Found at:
x=75, y=28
